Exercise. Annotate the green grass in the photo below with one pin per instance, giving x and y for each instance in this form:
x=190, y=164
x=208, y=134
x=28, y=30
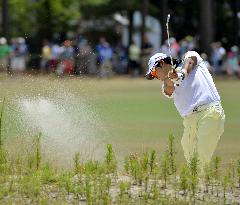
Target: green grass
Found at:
x=146, y=179
x=135, y=115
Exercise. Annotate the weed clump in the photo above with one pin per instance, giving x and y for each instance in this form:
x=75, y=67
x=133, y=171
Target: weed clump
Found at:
x=110, y=160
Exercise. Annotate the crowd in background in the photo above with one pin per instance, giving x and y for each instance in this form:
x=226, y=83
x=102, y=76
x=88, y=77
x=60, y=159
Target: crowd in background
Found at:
x=15, y=55
x=104, y=60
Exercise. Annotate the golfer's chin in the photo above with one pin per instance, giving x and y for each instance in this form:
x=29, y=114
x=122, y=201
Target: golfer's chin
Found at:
x=161, y=78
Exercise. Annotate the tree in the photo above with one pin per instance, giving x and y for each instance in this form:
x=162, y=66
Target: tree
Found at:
x=144, y=11
x=206, y=28
x=5, y=18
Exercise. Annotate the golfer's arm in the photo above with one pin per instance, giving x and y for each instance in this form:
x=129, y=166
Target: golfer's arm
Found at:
x=190, y=63
x=188, y=66
x=168, y=87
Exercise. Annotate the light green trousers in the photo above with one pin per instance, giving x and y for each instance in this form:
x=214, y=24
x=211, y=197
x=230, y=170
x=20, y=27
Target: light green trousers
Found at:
x=202, y=132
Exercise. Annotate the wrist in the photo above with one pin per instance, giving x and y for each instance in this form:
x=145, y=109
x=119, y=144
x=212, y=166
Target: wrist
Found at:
x=168, y=82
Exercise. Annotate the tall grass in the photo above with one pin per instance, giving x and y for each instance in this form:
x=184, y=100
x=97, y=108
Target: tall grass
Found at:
x=148, y=179
x=1, y=120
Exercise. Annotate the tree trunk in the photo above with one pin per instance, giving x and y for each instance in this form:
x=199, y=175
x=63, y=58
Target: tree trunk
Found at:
x=163, y=18
x=144, y=14
x=5, y=19
x=206, y=26
x=130, y=32
x=235, y=4
x=130, y=27
x=48, y=18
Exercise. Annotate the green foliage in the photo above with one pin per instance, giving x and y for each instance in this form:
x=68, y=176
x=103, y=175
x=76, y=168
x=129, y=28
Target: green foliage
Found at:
x=34, y=154
x=123, y=196
x=225, y=182
x=145, y=162
x=110, y=159
x=152, y=161
x=29, y=18
x=165, y=168
x=102, y=189
x=65, y=180
x=136, y=169
x=88, y=189
x=77, y=165
x=216, y=171
x=48, y=175
x=183, y=180
x=238, y=172
x=1, y=121
x=91, y=167
x=207, y=176
x=3, y=156
x=94, y=184
x=3, y=151
x=126, y=164
x=155, y=192
x=31, y=185
x=193, y=175
x=216, y=167
x=38, y=150
x=172, y=154
x=231, y=173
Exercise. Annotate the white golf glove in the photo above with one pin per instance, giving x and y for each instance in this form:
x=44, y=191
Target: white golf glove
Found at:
x=181, y=74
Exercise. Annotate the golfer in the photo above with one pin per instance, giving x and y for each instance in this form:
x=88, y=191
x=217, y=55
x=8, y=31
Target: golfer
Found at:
x=195, y=96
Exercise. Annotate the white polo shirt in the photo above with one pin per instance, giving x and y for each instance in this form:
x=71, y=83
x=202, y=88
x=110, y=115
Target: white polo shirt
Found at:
x=196, y=89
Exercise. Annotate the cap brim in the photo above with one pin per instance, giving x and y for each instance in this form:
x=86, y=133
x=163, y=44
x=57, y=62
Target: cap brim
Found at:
x=149, y=76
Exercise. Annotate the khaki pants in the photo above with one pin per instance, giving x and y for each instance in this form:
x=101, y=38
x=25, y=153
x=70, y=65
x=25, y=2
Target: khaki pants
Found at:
x=202, y=132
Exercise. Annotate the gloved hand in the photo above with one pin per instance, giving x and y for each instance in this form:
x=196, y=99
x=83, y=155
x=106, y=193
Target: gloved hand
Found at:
x=176, y=75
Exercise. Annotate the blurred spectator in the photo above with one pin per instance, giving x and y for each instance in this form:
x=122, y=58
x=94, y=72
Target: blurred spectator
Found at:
x=56, y=51
x=83, y=57
x=66, y=59
x=190, y=43
x=208, y=65
x=104, y=57
x=164, y=48
x=147, y=50
x=120, y=59
x=183, y=48
x=186, y=44
x=4, y=54
x=174, y=47
x=19, y=54
x=134, y=59
x=218, y=53
x=231, y=65
x=46, y=56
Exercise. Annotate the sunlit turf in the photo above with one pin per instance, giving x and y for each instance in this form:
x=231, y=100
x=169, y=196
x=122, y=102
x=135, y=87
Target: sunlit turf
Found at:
x=134, y=112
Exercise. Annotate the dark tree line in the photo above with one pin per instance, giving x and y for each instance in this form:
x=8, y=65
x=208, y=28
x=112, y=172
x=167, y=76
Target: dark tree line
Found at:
x=210, y=20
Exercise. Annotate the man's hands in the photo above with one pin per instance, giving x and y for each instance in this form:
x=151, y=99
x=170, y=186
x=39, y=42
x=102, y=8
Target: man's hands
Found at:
x=172, y=74
x=177, y=75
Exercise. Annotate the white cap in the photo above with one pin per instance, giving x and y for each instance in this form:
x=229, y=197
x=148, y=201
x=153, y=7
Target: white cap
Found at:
x=154, y=60
x=3, y=40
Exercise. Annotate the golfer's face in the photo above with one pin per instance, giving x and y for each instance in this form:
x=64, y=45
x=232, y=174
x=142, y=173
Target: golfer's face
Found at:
x=160, y=72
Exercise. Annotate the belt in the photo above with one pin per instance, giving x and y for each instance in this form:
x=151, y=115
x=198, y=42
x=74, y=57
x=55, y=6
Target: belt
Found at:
x=200, y=108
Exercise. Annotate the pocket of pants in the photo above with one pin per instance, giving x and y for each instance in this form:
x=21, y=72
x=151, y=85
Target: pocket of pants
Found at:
x=219, y=111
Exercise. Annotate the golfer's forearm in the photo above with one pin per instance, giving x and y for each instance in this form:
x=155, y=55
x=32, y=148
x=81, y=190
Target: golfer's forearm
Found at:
x=189, y=64
x=169, y=87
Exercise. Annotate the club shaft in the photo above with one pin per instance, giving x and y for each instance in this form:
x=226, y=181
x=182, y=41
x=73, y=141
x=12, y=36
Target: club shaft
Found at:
x=168, y=18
